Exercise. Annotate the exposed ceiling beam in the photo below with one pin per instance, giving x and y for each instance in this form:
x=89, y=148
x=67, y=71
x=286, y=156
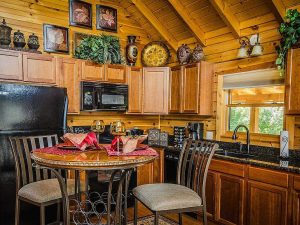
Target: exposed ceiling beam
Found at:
x=156, y=23
x=184, y=14
x=226, y=15
x=278, y=8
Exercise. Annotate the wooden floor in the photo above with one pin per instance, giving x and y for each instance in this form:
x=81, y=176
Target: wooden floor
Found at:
x=187, y=220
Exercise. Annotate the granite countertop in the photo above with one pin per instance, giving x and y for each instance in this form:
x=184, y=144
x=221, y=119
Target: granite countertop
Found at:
x=265, y=157
x=266, y=161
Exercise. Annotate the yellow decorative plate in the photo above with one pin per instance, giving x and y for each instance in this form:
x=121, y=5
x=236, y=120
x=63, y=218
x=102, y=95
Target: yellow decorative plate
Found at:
x=155, y=53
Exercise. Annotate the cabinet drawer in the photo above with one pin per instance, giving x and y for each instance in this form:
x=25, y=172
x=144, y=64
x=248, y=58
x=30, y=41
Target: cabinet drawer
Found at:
x=268, y=176
x=228, y=167
x=297, y=183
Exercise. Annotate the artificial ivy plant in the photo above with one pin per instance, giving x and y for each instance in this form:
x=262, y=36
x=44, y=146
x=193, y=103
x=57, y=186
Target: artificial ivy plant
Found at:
x=290, y=32
x=100, y=49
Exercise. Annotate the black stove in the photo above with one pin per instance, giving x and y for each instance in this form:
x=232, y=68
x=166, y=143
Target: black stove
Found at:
x=171, y=163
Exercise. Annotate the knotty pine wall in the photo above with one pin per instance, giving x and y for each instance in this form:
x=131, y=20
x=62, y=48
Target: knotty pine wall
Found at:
x=28, y=16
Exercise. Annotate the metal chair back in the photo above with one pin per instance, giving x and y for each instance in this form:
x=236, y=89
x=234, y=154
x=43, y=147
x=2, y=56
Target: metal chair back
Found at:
x=193, y=165
x=21, y=147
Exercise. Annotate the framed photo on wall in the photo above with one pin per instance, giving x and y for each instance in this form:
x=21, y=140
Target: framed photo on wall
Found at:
x=106, y=18
x=56, y=38
x=80, y=14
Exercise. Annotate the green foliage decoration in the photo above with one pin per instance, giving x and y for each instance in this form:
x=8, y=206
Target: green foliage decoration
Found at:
x=290, y=32
x=100, y=49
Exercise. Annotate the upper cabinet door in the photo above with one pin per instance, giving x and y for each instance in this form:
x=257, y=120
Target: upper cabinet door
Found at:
x=292, y=87
x=39, y=68
x=175, y=89
x=135, y=86
x=11, y=65
x=190, y=90
x=206, y=89
x=68, y=70
x=91, y=71
x=156, y=90
x=116, y=73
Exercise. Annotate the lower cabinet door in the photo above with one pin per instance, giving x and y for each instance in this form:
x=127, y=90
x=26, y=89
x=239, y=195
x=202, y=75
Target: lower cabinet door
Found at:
x=210, y=194
x=296, y=208
x=231, y=200
x=267, y=204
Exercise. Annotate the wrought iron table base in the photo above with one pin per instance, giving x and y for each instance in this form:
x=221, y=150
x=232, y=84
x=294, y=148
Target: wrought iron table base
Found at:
x=85, y=211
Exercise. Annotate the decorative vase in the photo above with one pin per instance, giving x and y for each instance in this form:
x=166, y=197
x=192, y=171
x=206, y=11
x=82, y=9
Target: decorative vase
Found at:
x=183, y=54
x=19, y=40
x=33, y=42
x=197, y=54
x=5, y=32
x=131, y=50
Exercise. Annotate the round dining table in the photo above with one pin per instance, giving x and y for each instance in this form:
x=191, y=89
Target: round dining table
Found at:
x=85, y=210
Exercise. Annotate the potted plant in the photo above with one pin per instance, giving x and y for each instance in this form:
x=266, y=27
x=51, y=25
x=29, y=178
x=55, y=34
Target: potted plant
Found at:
x=290, y=32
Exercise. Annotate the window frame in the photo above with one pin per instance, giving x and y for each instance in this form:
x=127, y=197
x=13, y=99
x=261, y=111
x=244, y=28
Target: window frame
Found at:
x=254, y=116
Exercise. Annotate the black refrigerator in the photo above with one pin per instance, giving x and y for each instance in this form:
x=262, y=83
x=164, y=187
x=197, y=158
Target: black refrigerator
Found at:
x=25, y=110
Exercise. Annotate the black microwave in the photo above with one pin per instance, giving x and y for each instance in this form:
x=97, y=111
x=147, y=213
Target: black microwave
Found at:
x=103, y=97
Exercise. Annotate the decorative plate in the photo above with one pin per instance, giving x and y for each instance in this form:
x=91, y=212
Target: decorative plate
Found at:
x=155, y=53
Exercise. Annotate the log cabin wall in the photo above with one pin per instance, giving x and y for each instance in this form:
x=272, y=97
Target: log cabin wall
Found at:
x=207, y=22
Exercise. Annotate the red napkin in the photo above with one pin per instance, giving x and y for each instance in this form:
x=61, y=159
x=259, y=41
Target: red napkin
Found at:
x=82, y=141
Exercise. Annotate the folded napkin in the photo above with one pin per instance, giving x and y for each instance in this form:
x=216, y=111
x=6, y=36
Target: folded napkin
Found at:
x=130, y=143
x=81, y=141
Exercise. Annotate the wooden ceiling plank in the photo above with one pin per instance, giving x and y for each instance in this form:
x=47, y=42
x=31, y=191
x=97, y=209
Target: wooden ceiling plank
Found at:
x=184, y=14
x=278, y=8
x=156, y=23
x=227, y=16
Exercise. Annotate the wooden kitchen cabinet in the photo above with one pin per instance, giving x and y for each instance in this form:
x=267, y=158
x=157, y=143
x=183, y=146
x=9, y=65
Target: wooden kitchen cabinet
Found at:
x=156, y=90
x=296, y=201
x=115, y=73
x=69, y=70
x=175, y=89
x=190, y=90
x=267, y=204
x=135, y=89
x=231, y=199
x=91, y=71
x=292, y=87
x=11, y=65
x=39, y=68
x=152, y=172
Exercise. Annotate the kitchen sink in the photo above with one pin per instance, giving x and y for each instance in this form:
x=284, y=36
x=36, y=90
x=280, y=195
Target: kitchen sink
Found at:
x=234, y=154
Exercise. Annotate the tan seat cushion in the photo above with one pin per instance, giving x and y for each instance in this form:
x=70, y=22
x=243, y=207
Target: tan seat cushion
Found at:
x=160, y=197
x=46, y=190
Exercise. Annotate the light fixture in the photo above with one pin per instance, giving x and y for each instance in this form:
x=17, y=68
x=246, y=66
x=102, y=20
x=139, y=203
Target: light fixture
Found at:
x=257, y=49
x=243, y=50
x=250, y=47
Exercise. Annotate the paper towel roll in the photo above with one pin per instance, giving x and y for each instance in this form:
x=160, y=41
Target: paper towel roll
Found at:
x=284, y=144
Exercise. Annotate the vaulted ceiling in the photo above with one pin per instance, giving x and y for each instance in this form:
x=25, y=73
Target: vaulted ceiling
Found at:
x=203, y=21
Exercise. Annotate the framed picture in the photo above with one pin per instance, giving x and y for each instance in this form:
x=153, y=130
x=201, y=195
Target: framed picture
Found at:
x=56, y=38
x=106, y=18
x=80, y=14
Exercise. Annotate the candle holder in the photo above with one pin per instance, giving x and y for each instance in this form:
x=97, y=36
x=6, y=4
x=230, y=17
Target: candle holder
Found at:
x=98, y=127
x=117, y=129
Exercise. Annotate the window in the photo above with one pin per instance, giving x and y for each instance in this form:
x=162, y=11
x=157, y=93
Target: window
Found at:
x=259, y=108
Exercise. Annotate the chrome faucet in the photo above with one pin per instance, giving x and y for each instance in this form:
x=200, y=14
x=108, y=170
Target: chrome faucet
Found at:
x=234, y=136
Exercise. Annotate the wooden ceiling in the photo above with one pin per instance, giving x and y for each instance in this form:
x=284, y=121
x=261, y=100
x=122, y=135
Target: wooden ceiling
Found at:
x=203, y=21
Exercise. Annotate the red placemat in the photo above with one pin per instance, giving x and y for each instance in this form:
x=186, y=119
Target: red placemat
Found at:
x=55, y=151
x=148, y=151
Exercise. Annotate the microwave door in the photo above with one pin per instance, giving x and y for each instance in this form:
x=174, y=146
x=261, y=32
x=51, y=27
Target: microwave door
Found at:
x=112, y=101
